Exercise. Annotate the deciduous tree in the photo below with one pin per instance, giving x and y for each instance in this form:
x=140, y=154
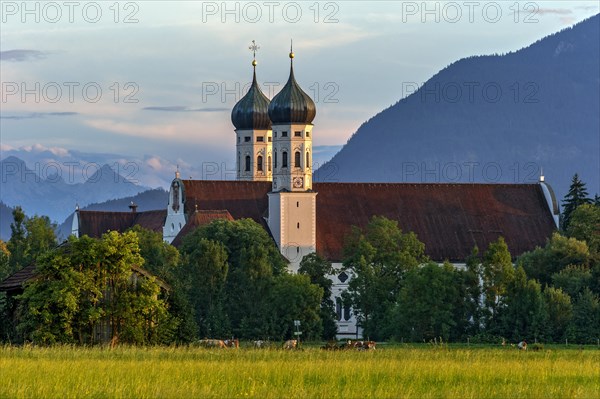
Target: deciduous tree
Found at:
x=319, y=270
x=378, y=258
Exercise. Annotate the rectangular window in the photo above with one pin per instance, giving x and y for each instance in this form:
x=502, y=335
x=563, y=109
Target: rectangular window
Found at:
x=247, y=139
x=274, y=134
x=238, y=139
x=283, y=134
x=307, y=134
x=298, y=134
x=260, y=139
x=270, y=139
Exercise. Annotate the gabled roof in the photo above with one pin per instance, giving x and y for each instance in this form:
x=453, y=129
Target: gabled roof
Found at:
x=96, y=223
x=199, y=218
x=242, y=199
x=15, y=281
x=449, y=218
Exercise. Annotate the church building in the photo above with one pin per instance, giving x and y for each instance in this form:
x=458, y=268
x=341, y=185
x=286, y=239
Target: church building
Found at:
x=275, y=188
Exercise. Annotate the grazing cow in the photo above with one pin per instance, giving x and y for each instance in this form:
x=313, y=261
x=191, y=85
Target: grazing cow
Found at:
x=212, y=343
x=368, y=345
x=290, y=344
x=232, y=343
x=522, y=345
x=331, y=346
x=260, y=344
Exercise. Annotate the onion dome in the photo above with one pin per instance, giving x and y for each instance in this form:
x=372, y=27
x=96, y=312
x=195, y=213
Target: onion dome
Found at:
x=252, y=111
x=292, y=104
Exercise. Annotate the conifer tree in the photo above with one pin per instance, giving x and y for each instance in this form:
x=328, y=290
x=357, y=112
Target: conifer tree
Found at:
x=576, y=196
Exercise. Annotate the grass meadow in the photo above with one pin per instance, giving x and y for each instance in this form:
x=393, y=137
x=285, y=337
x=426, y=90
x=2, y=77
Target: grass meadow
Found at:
x=389, y=372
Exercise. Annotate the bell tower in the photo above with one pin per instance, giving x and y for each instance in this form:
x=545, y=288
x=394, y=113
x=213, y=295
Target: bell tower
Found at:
x=250, y=116
x=292, y=202
x=175, y=219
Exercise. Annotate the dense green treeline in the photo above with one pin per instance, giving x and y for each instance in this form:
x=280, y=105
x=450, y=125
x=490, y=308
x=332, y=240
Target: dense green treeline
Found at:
x=550, y=294
x=228, y=279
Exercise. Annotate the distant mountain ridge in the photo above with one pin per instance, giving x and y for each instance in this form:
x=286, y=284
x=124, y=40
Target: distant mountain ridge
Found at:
x=44, y=191
x=500, y=118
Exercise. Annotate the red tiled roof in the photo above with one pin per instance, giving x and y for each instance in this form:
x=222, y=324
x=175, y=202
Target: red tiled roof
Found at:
x=15, y=281
x=199, y=218
x=243, y=199
x=96, y=223
x=449, y=218
x=151, y=220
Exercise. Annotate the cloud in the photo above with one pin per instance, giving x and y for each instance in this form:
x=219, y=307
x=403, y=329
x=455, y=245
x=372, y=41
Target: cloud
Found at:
x=179, y=108
x=559, y=11
x=22, y=55
x=37, y=115
x=568, y=20
x=58, y=151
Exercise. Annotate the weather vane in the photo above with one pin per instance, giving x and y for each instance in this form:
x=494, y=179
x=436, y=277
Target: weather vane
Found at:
x=254, y=47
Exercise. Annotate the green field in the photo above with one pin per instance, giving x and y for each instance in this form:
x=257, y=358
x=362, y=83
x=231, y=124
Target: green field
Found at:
x=388, y=372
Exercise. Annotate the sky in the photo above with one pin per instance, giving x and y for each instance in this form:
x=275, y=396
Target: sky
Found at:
x=153, y=82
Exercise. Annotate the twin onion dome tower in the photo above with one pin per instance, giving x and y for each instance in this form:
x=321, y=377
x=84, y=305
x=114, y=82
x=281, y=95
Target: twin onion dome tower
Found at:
x=274, y=140
x=274, y=144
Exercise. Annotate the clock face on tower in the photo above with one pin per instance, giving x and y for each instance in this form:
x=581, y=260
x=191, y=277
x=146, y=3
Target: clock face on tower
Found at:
x=298, y=182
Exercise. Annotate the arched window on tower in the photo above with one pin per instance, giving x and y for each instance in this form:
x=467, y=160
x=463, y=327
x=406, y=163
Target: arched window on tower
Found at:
x=338, y=308
x=297, y=159
x=269, y=163
x=239, y=163
x=284, y=159
x=275, y=153
x=307, y=160
x=259, y=163
x=247, y=163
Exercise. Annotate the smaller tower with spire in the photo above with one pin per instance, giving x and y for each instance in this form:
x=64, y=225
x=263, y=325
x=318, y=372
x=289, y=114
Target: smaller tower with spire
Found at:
x=176, y=218
x=250, y=116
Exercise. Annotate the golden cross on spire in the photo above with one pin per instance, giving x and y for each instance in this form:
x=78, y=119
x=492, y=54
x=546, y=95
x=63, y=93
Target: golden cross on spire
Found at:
x=254, y=48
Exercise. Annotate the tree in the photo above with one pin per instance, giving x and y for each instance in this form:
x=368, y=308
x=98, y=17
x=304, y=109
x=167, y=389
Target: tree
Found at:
x=318, y=270
x=473, y=276
x=576, y=196
x=559, y=252
x=6, y=324
x=254, y=261
x=30, y=238
x=497, y=273
x=85, y=282
x=41, y=237
x=378, y=259
x=162, y=260
x=17, y=245
x=573, y=279
x=294, y=297
x=559, y=313
x=202, y=276
x=522, y=316
x=584, y=225
x=4, y=261
x=586, y=317
x=430, y=304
